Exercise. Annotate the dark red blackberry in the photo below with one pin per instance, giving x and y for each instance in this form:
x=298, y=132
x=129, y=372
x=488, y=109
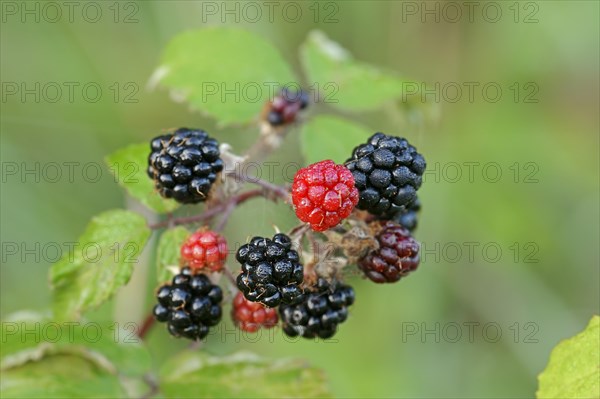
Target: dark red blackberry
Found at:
x=387, y=172
x=271, y=271
x=251, y=316
x=284, y=108
x=189, y=305
x=397, y=255
x=184, y=165
x=318, y=315
x=408, y=217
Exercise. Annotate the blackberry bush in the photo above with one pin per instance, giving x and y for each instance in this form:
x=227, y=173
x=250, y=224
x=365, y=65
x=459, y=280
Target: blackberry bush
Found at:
x=271, y=271
x=184, y=165
x=324, y=307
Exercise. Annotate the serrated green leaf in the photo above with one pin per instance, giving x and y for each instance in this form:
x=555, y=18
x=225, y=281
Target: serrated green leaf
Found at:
x=223, y=72
x=44, y=358
x=128, y=165
x=574, y=367
x=101, y=261
x=117, y=345
x=60, y=376
x=242, y=375
x=168, y=251
x=330, y=137
x=344, y=82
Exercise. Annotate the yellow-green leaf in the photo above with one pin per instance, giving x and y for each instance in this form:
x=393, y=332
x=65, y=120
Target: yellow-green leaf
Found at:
x=574, y=367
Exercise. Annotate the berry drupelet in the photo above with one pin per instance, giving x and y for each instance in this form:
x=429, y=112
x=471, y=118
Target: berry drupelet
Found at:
x=251, y=316
x=387, y=172
x=189, y=305
x=408, y=217
x=323, y=194
x=271, y=271
x=205, y=249
x=397, y=255
x=324, y=307
x=184, y=165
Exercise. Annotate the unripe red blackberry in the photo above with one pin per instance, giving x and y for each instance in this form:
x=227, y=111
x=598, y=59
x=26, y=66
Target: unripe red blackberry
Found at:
x=190, y=305
x=205, y=249
x=387, y=172
x=323, y=194
x=271, y=271
x=397, y=255
x=318, y=315
x=251, y=316
x=184, y=165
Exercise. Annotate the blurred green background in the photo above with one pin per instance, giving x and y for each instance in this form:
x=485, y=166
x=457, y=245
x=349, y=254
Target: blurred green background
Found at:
x=550, y=208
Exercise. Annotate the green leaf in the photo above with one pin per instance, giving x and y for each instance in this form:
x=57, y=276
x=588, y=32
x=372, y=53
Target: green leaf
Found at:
x=129, y=165
x=224, y=72
x=330, y=137
x=242, y=375
x=60, y=376
x=99, y=263
x=344, y=82
x=168, y=253
x=574, y=367
x=78, y=359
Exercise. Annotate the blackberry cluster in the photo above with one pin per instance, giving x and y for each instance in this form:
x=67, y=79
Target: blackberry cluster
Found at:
x=271, y=271
x=189, y=305
x=184, y=165
x=397, y=255
x=387, y=172
x=318, y=315
x=285, y=107
x=408, y=217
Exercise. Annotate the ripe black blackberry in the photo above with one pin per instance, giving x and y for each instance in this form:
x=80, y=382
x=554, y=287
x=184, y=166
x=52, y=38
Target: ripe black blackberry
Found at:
x=408, y=217
x=318, y=315
x=184, y=164
x=271, y=271
x=387, y=172
x=189, y=305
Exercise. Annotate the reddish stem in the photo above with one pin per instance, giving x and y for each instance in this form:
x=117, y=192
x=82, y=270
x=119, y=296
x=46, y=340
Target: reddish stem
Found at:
x=146, y=325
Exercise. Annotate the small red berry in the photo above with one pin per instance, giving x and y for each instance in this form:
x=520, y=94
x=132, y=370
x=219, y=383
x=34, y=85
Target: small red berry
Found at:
x=324, y=194
x=397, y=255
x=205, y=249
x=251, y=316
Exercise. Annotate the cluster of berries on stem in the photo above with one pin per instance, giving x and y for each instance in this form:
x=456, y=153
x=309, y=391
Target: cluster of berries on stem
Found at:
x=373, y=194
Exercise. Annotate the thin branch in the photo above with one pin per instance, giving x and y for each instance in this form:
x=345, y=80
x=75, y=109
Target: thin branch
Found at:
x=274, y=189
x=210, y=213
x=146, y=326
x=153, y=384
